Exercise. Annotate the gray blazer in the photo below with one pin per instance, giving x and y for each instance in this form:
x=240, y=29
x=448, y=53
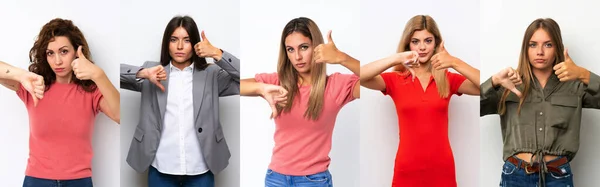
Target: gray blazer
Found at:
x=222, y=79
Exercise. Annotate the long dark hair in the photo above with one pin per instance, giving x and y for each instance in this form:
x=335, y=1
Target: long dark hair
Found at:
x=189, y=25
x=37, y=55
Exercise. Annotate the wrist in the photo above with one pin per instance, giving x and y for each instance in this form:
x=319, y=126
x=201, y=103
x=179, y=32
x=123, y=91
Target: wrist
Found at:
x=99, y=75
x=218, y=54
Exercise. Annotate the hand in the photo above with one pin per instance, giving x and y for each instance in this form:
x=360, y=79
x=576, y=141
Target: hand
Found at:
x=328, y=53
x=442, y=59
x=568, y=70
x=410, y=60
x=34, y=84
x=275, y=95
x=84, y=69
x=509, y=79
x=205, y=49
x=155, y=75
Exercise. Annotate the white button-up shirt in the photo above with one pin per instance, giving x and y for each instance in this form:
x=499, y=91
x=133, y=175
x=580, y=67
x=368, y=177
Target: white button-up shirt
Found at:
x=179, y=151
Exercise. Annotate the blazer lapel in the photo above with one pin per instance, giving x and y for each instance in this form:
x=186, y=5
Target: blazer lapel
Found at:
x=198, y=91
x=162, y=96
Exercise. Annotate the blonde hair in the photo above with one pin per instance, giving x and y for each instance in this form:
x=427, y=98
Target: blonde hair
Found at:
x=288, y=76
x=418, y=23
x=524, y=68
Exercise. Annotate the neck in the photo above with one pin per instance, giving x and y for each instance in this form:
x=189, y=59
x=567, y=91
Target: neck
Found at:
x=180, y=66
x=64, y=80
x=423, y=69
x=542, y=75
x=304, y=79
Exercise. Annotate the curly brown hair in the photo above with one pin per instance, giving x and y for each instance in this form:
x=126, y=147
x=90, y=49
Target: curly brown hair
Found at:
x=37, y=54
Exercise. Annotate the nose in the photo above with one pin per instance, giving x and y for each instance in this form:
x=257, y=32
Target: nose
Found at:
x=57, y=59
x=421, y=46
x=180, y=45
x=298, y=55
x=540, y=51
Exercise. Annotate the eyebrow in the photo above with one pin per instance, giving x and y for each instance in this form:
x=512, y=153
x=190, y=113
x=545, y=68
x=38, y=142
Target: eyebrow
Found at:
x=531, y=41
x=425, y=38
x=58, y=48
x=298, y=45
x=178, y=37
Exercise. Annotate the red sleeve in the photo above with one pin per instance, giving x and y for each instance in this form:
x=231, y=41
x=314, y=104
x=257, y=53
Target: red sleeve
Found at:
x=24, y=95
x=455, y=81
x=96, y=98
x=342, y=86
x=267, y=78
x=390, y=79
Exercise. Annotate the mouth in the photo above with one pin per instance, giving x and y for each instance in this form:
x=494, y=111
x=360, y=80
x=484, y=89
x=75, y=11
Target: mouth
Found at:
x=423, y=54
x=180, y=54
x=539, y=61
x=300, y=65
x=59, y=69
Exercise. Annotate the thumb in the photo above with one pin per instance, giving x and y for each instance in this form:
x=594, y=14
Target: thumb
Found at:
x=203, y=36
x=566, y=53
x=329, y=39
x=516, y=91
x=159, y=85
x=442, y=48
x=80, y=52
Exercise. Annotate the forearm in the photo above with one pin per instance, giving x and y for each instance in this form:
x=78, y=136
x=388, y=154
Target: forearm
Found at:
x=249, y=87
x=585, y=76
x=468, y=71
x=351, y=63
x=10, y=73
x=110, y=94
x=370, y=70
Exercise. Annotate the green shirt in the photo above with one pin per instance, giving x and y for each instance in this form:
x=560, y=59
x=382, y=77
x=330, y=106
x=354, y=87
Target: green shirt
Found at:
x=550, y=117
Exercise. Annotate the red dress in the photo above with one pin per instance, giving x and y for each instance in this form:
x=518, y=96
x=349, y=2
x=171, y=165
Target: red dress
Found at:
x=424, y=156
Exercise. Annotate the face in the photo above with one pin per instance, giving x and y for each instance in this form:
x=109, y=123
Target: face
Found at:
x=423, y=42
x=59, y=54
x=299, y=50
x=180, y=46
x=541, y=50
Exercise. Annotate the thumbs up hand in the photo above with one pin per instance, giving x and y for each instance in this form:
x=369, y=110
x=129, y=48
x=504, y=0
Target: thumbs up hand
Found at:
x=205, y=49
x=568, y=70
x=84, y=69
x=328, y=53
x=443, y=60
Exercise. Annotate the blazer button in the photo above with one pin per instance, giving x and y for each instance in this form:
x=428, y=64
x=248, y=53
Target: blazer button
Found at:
x=199, y=130
x=128, y=71
x=230, y=60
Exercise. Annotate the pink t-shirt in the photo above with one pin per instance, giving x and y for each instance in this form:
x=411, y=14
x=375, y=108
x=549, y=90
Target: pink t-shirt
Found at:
x=301, y=145
x=60, y=137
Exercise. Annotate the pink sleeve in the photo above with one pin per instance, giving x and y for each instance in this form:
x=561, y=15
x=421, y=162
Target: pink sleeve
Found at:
x=268, y=78
x=96, y=98
x=24, y=95
x=342, y=86
x=455, y=80
x=390, y=81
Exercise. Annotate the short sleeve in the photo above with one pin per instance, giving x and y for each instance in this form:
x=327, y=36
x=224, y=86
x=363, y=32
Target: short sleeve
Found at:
x=267, y=78
x=455, y=81
x=96, y=98
x=391, y=81
x=342, y=86
x=24, y=95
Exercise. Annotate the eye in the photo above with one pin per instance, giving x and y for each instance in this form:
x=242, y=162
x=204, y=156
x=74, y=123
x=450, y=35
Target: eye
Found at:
x=187, y=41
x=548, y=45
x=428, y=41
x=415, y=42
x=49, y=53
x=304, y=47
x=173, y=40
x=290, y=50
x=533, y=45
x=64, y=52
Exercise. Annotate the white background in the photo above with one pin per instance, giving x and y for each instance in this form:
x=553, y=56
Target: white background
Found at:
x=503, y=25
x=382, y=24
x=261, y=33
x=142, y=26
x=21, y=22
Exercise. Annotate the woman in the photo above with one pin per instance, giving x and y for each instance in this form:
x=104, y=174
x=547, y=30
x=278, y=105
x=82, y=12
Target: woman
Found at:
x=305, y=102
x=179, y=138
x=540, y=105
x=421, y=88
x=63, y=92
